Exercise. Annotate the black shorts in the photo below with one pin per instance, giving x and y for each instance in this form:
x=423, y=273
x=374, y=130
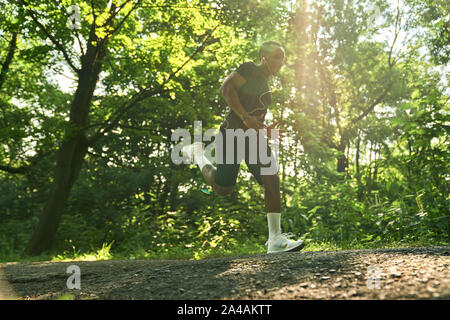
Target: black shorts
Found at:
x=258, y=164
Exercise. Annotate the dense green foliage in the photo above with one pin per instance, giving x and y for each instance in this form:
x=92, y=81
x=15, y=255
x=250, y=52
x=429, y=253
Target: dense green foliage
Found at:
x=362, y=97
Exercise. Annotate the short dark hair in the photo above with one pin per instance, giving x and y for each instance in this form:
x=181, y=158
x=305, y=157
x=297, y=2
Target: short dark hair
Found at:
x=268, y=46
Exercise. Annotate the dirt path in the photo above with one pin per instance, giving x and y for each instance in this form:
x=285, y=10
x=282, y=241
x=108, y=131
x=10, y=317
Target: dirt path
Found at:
x=7, y=291
x=403, y=273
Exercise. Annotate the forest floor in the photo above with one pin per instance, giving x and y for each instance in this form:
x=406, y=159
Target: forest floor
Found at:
x=401, y=273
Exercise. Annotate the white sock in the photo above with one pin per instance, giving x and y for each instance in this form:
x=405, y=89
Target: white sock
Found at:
x=273, y=221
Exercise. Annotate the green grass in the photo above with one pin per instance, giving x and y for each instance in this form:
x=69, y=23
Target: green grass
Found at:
x=66, y=296
x=192, y=252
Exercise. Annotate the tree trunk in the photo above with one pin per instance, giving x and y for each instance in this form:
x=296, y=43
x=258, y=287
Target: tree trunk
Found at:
x=342, y=159
x=68, y=165
x=369, y=173
x=348, y=175
x=357, y=158
x=375, y=169
x=173, y=195
x=71, y=153
x=358, y=174
x=342, y=163
x=165, y=193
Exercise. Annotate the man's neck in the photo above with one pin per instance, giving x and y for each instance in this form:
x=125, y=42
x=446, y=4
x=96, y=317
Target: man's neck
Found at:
x=265, y=70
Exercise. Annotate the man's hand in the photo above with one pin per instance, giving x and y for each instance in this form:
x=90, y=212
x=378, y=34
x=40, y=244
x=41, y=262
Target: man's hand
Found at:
x=272, y=126
x=252, y=122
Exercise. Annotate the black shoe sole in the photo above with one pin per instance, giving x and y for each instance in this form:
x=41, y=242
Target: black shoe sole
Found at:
x=300, y=247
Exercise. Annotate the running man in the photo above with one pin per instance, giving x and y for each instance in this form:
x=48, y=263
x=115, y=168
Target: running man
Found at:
x=247, y=93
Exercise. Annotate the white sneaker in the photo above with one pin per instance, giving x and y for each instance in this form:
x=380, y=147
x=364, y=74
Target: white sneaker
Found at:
x=282, y=243
x=189, y=150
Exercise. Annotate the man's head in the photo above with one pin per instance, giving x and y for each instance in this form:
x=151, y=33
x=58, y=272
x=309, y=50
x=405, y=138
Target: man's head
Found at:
x=271, y=54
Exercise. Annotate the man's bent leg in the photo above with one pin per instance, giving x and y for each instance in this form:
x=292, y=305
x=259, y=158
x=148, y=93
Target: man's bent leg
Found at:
x=272, y=196
x=209, y=173
x=273, y=204
x=277, y=242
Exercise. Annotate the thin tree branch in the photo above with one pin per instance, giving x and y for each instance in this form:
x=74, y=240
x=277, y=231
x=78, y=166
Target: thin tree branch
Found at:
x=114, y=14
x=19, y=170
x=391, y=64
x=397, y=31
x=125, y=18
x=24, y=169
x=144, y=94
x=58, y=45
x=373, y=105
x=158, y=92
x=79, y=43
x=8, y=59
x=93, y=13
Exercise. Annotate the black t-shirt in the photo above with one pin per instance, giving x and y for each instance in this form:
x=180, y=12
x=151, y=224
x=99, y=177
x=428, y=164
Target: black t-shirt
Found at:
x=254, y=95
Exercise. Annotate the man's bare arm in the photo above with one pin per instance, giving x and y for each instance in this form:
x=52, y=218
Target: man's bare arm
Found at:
x=229, y=90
